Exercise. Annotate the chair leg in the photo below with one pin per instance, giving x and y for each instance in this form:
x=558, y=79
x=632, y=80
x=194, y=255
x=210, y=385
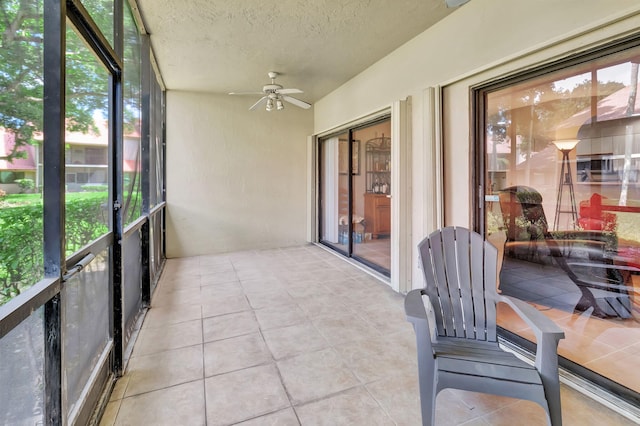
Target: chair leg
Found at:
x=555, y=412
x=426, y=380
x=427, y=396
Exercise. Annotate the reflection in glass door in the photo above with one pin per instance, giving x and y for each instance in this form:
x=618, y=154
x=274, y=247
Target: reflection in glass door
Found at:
x=372, y=196
x=562, y=203
x=355, y=214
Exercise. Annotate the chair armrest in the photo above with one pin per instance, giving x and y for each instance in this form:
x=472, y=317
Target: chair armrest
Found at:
x=547, y=333
x=417, y=315
x=414, y=306
x=539, y=323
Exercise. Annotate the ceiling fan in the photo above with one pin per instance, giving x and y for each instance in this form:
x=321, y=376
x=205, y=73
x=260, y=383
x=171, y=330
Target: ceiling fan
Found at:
x=274, y=94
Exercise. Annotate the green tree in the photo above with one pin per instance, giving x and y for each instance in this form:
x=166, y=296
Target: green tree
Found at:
x=21, y=71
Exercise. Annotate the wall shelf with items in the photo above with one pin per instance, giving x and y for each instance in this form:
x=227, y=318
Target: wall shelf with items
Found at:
x=378, y=165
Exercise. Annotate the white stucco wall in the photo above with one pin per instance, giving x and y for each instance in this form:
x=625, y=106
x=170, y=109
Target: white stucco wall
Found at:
x=236, y=179
x=479, y=42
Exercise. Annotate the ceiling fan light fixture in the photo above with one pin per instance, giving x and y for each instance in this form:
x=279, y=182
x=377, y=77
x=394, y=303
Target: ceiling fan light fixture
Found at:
x=269, y=104
x=279, y=104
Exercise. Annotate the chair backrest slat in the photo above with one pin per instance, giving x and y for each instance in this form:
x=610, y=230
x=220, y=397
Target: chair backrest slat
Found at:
x=439, y=259
x=466, y=261
x=456, y=275
x=490, y=293
x=432, y=290
x=460, y=274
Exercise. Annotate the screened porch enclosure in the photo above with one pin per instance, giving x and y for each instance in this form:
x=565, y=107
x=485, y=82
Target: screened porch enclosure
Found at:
x=82, y=233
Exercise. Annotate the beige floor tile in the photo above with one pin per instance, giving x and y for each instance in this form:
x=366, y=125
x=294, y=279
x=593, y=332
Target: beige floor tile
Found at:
x=380, y=365
x=481, y=403
x=253, y=273
x=152, y=372
x=243, y=395
x=177, y=283
x=280, y=316
x=351, y=407
x=158, y=339
x=266, y=299
x=235, y=353
x=179, y=296
x=223, y=267
x=225, y=305
x=280, y=418
x=516, y=412
x=177, y=405
x=163, y=315
x=399, y=396
x=307, y=291
x=293, y=340
x=213, y=260
x=211, y=293
x=343, y=328
x=231, y=325
x=218, y=278
x=262, y=285
x=354, y=350
x=315, y=375
x=321, y=306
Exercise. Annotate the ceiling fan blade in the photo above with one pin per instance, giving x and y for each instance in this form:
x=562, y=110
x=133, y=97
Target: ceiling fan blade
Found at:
x=296, y=102
x=246, y=93
x=289, y=91
x=254, y=106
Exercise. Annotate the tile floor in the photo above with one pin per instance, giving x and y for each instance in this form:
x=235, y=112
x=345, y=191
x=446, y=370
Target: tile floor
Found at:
x=292, y=336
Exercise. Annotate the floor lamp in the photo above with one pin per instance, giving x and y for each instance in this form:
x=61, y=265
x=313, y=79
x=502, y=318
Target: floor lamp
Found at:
x=565, y=146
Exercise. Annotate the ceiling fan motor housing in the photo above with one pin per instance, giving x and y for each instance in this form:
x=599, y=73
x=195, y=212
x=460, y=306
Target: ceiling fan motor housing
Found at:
x=271, y=88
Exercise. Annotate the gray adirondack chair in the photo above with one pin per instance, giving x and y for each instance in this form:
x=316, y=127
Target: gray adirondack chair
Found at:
x=454, y=318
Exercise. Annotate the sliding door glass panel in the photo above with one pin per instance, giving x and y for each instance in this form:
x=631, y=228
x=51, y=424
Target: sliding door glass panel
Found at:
x=156, y=176
x=562, y=203
x=371, y=183
x=22, y=373
x=21, y=91
x=334, y=192
x=87, y=146
x=132, y=207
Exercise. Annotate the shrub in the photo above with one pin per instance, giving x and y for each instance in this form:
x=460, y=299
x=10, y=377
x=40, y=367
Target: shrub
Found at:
x=21, y=238
x=94, y=187
x=25, y=184
x=20, y=249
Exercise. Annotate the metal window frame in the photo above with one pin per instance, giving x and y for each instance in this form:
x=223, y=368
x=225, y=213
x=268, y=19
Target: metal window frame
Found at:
x=47, y=292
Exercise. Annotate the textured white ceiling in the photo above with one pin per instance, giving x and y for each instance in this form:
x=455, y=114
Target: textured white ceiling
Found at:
x=229, y=45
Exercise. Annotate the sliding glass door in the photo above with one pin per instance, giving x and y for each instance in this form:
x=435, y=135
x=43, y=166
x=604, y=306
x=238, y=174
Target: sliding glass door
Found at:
x=355, y=193
x=560, y=167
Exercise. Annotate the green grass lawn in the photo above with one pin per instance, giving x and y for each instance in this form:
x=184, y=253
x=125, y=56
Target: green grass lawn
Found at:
x=11, y=200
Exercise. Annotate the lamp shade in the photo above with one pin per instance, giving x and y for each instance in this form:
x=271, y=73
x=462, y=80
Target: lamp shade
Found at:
x=566, y=144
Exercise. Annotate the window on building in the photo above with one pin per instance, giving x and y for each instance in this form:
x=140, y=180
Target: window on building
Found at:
x=95, y=155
